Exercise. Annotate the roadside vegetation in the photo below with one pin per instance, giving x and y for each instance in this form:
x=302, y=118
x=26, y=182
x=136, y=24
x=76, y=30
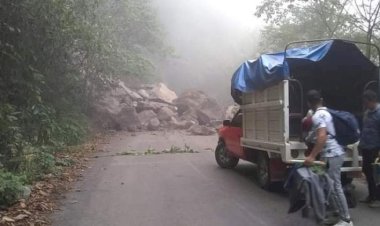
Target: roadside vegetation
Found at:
x=54, y=55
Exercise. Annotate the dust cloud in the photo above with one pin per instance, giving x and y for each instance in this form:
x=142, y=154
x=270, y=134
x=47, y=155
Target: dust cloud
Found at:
x=211, y=38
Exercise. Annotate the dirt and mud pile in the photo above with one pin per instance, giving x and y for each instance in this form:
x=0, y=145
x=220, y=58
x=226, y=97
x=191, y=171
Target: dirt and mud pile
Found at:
x=156, y=107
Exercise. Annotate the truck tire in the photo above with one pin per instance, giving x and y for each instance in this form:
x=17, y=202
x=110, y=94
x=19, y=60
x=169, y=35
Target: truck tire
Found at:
x=263, y=170
x=222, y=157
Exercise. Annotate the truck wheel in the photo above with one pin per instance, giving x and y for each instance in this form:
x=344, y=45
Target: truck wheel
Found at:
x=263, y=172
x=222, y=157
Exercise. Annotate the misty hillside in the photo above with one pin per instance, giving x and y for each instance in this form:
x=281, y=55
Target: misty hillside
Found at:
x=208, y=46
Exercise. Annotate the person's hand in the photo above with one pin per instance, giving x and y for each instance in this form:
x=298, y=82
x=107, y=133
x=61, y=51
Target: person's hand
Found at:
x=309, y=161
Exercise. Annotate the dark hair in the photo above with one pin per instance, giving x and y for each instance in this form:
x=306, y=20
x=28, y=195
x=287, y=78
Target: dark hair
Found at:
x=313, y=96
x=370, y=96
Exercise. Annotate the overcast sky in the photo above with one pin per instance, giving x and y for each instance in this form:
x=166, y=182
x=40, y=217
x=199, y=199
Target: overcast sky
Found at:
x=240, y=11
x=211, y=39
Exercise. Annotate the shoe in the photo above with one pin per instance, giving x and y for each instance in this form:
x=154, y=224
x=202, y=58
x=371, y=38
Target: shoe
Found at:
x=374, y=204
x=344, y=223
x=330, y=221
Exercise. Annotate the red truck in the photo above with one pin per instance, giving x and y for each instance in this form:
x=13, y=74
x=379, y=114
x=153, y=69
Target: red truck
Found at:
x=267, y=130
x=229, y=150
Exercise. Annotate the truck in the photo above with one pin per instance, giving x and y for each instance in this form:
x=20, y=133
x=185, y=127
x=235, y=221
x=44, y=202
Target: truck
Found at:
x=271, y=90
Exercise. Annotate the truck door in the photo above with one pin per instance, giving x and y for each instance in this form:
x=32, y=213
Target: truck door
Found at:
x=234, y=135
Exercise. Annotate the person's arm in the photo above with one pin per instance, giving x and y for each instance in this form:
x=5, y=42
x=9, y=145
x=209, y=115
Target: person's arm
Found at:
x=318, y=147
x=321, y=137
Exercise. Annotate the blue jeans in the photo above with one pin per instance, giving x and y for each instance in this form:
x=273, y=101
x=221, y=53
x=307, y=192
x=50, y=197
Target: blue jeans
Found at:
x=334, y=165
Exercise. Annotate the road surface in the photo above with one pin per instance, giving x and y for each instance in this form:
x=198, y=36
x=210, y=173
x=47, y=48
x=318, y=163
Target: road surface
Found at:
x=186, y=189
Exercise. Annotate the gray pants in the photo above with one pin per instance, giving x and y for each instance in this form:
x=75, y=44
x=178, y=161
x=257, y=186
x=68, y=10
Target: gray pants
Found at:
x=339, y=199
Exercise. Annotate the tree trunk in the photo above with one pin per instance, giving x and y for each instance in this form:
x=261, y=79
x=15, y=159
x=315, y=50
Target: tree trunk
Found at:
x=369, y=40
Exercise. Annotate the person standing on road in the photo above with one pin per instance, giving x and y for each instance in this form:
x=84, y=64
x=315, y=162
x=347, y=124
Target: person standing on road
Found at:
x=331, y=152
x=370, y=144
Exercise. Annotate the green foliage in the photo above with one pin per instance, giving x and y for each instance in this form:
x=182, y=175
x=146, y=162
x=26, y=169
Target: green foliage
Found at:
x=10, y=135
x=11, y=187
x=64, y=162
x=55, y=58
x=293, y=20
x=36, y=162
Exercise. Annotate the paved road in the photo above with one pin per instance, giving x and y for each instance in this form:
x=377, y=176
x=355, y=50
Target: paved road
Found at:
x=177, y=190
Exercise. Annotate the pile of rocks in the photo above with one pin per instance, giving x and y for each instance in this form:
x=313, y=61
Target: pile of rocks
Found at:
x=156, y=107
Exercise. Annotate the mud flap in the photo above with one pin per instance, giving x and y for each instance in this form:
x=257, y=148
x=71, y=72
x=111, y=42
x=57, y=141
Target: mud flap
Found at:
x=278, y=170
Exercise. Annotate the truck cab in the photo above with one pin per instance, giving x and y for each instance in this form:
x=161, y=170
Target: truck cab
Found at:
x=229, y=150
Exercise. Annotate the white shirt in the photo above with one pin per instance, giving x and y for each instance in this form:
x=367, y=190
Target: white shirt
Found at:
x=323, y=119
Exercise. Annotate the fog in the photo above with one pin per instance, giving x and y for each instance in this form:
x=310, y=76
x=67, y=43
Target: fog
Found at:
x=210, y=38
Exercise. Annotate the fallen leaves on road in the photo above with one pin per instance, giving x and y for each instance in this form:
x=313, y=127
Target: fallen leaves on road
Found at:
x=172, y=150
x=46, y=194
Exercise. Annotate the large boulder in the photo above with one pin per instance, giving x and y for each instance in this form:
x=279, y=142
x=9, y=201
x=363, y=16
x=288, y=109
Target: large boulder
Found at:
x=128, y=118
x=111, y=104
x=114, y=110
x=149, y=105
x=154, y=124
x=196, y=105
x=197, y=115
x=212, y=109
x=189, y=115
x=201, y=130
x=165, y=114
x=203, y=117
x=160, y=92
x=132, y=94
x=113, y=97
x=143, y=93
x=144, y=107
x=146, y=116
x=181, y=124
x=190, y=100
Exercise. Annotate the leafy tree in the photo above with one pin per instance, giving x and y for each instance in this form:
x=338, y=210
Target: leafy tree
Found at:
x=55, y=56
x=366, y=19
x=306, y=19
x=305, y=22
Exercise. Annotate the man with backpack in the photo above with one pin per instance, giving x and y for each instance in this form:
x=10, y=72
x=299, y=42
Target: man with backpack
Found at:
x=370, y=144
x=330, y=150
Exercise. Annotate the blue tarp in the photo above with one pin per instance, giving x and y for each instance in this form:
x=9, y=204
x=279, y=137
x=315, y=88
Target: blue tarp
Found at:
x=270, y=69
